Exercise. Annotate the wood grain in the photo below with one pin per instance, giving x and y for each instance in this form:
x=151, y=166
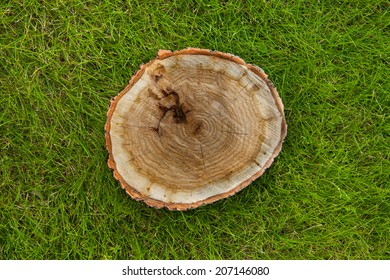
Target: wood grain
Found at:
x=192, y=127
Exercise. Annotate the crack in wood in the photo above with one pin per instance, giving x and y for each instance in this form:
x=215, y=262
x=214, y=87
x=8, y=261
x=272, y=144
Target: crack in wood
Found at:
x=234, y=132
x=137, y=156
x=201, y=152
x=179, y=116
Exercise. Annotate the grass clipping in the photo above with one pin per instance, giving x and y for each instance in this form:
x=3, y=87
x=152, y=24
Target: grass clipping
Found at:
x=192, y=127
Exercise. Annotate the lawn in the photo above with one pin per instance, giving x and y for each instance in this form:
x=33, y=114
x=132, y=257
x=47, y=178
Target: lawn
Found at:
x=327, y=195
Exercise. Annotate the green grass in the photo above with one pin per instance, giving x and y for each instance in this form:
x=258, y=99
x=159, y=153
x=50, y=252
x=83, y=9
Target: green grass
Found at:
x=327, y=195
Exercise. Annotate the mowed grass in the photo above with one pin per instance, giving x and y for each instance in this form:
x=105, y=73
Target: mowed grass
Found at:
x=327, y=195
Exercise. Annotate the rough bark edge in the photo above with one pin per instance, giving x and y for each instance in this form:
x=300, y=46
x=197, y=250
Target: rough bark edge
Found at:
x=163, y=54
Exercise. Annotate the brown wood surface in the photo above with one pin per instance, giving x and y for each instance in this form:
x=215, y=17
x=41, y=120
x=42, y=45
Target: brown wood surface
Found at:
x=192, y=127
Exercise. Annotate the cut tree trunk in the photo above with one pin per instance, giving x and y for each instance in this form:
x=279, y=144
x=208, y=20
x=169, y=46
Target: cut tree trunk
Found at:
x=192, y=127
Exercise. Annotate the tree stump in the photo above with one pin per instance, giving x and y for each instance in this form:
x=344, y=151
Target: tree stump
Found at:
x=192, y=127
